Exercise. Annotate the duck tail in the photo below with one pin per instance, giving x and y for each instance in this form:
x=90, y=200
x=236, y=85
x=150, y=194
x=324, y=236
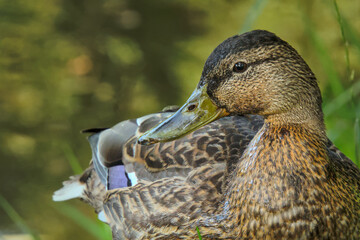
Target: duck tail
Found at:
x=72, y=188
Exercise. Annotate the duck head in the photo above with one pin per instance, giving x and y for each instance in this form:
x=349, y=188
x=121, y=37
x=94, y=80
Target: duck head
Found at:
x=252, y=73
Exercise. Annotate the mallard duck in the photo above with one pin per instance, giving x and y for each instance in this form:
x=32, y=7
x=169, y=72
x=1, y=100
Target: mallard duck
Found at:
x=264, y=169
x=289, y=183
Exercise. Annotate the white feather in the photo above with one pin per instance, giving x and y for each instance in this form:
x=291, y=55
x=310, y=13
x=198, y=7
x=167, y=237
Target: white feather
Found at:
x=71, y=189
x=133, y=178
x=102, y=217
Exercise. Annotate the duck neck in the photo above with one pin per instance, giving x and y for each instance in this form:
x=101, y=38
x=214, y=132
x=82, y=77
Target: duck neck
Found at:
x=310, y=118
x=284, y=134
x=286, y=146
x=283, y=161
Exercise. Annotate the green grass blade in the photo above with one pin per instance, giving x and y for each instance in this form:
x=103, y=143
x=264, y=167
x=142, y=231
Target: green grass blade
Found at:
x=73, y=160
x=254, y=12
x=349, y=36
x=323, y=55
x=94, y=228
x=346, y=43
x=16, y=218
x=357, y=141
x=352, y=36
x=342, y=99
x=199, y=234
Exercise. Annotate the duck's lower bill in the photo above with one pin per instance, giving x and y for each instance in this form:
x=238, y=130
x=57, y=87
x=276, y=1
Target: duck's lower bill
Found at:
x=198, y=111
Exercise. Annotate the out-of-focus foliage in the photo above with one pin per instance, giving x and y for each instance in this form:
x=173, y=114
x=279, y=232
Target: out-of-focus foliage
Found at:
x=68, y=65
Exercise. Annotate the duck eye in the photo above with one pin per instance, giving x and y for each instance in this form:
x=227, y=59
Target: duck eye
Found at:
x=240, y=67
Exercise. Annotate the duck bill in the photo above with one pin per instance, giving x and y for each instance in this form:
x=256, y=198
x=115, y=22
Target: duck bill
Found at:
x=198, y=111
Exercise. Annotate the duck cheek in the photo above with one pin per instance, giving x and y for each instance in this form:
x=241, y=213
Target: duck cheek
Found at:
x=247, y=105
x=224, y=97
x=248, y=108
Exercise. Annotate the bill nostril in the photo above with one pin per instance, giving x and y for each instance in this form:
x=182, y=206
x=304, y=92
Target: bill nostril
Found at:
x=146, y=141
x=191, y=107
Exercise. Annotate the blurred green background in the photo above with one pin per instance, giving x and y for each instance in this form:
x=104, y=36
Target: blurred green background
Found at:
x=69, y=65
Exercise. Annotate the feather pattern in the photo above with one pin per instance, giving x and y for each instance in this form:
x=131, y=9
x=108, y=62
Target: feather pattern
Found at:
x=273, y=175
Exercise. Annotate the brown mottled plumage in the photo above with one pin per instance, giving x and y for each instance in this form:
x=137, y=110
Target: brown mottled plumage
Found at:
x=162, y=200
x=214, y=145
x=245, y=179
x=289, y=183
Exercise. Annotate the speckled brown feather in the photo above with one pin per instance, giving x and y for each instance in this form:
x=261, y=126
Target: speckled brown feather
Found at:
x=94, y=192
x=157, y=219
x=210, y=144
x=220, y=142
x=207, y=152
x=314, y=195
x=167, y=208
